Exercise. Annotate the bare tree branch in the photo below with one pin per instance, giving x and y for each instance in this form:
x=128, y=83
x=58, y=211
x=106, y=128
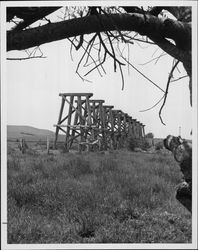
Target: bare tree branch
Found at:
x=143, y=75
x=153, y=105
x=153, y=59
x=179, y=78
x=24, y=58
x=90, y=24
x=166, y=93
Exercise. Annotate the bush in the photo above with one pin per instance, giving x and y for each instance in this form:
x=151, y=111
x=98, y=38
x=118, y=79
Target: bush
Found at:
x=133, y=143
x=145, y=145
x=149, y=135
x=159, y=146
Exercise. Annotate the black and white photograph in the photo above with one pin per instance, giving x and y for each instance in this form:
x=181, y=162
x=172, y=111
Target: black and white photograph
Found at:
x=99, y=124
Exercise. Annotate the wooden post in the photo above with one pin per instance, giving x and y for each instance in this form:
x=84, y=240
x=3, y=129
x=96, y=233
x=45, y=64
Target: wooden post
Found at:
x=77, y=118
x=59, y=121
x=134, y=128
x=97, y=113
x=89, y=120
x=109, y=125
x=69, y=123
x=143, y=130
x=22, y=145
x=48, y=145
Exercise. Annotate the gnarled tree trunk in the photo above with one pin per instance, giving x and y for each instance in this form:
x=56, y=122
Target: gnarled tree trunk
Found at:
x=182, y=151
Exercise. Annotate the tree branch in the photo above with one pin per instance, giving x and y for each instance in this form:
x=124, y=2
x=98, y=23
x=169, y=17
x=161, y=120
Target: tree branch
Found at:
x=28, y=14
x=153, y=105
x=92, y=24
x=166, y=93
x=170, y=48
x=24, y=58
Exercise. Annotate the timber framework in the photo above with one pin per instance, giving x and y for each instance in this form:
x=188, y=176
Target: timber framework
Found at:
x=92, y=125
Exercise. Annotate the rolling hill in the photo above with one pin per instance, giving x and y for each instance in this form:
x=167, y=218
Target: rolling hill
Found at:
x=30, y=133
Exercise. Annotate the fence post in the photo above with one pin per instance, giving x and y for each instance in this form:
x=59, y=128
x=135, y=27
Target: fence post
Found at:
x=22, y=145
x=48, y=145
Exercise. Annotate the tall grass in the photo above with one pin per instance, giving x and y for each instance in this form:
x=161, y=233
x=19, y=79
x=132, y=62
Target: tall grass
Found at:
x=92, y=198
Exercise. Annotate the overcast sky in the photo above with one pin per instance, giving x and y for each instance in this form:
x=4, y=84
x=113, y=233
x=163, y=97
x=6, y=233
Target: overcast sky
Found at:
x=33, y=88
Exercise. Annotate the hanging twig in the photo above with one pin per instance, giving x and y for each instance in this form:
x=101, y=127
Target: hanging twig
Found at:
x=80, y=42
x=100, y=64
x=153, y=105
x=88, y=52
x=155, y=50
x=166, y=92
x=122, y=76
x=153, y=59
x=71, y=47
x=113, y=51
x=89, y=43
x=93, y=60
x=108, y=52
x=179, y=78
x=131, y=39
x=143, y=75
x=128, y=59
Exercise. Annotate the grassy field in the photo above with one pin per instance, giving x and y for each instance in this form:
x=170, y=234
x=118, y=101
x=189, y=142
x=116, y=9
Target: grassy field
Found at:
x=119, y=197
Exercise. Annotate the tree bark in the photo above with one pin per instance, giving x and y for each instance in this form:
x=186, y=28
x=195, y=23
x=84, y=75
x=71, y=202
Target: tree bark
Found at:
x=182, y=151
x=143, y=24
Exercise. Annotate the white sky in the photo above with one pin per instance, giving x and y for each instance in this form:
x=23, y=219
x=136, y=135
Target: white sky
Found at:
x=33, y=87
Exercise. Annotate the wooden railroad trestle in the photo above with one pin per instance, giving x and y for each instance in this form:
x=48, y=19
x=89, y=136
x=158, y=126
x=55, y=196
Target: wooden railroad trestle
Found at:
x=90, y=123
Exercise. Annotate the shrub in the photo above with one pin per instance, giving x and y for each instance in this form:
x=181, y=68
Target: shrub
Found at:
x=159, y=146
x=137, y=143
x=133, y=143
x=145, y=145
x=149, y=135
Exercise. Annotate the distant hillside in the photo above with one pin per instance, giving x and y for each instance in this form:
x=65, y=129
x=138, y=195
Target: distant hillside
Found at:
x=30, y=133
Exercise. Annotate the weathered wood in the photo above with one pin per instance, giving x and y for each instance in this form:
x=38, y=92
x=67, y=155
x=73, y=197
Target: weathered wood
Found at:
x=59, y=120
x=76, y=109
x=91, y=119
x=23, y=145
x=76, y=94
x=98, y=116
x=69, y=122
x=78, y=118
x=108, y=106
x=97, y=100
x=48, y=145
x=74, y=127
